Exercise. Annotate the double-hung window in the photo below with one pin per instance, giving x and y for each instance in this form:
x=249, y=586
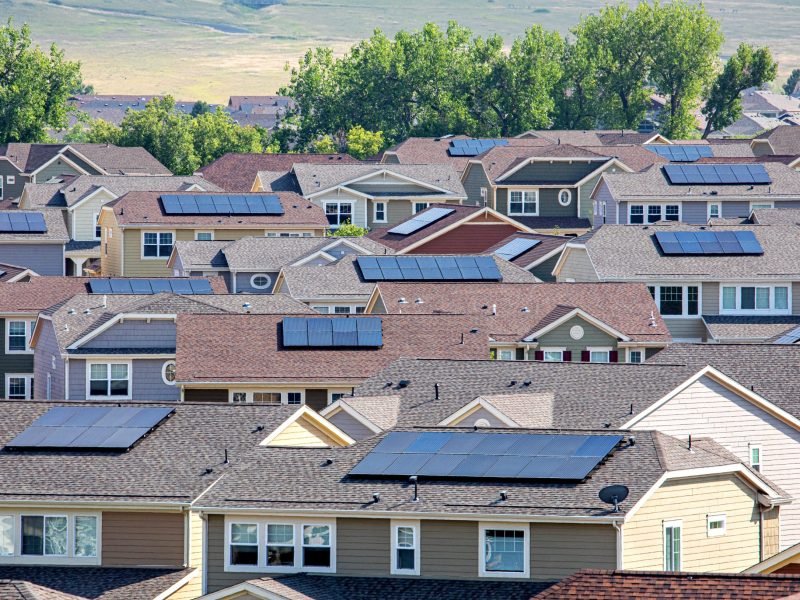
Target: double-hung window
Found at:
x=19, y=386
x=109, y=380
x=637, y=213
x=204, y=236
x=18, y=336
x=317, y=546
x=280, y=545
x=755, y=299
x=755, y=457
x=635, y=356
x=244, y=544
x=420, y=206
x=523, y=202
x=157, y=244
x=676, y=300
x=339, y=213
x=599, y=355
x=380, y=212
x=36, y=538
x=714, y=211
x=672, y=545
x=98, y=231
x=286, y=545
x=505, y=550
x=405, y=548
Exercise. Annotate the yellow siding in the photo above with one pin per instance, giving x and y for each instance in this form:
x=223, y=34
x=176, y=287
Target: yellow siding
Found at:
x=691, y=501
x=111, y=263
x=84, y=226
x=193, y=589
x=771, y=532
x=195, y=540
x=304, y=434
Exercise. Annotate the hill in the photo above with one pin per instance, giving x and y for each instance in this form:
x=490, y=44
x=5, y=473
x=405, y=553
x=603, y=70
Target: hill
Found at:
x=212, y=48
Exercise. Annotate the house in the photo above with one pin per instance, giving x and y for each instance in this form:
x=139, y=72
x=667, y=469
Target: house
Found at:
x=139, y=229
x=256, y=358
x=780, y=140
x=534, y=252
x=81, y=199
x=14, y=273
x=38, y=163
x=765, y=103
x=786, y=562
x=377, y=195
x=107, y=346
x=595, y=137
x=252, y=264
x=348, y=511
x=238, y=172
x=34, y=240
x=552, y=322
x=702, y=293
x=677, y=192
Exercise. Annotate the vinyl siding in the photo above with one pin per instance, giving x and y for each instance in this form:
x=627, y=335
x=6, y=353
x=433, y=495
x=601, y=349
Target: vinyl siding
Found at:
x=554, y=173
x=771, y=540
x=398, y=211
x=592, y=336
x=11, y=190
x=548, y=202
x=243, y=282
x=733, y=209
x=544, y=270
x=687, y=329
x=210, y=395
x=45, y=259
x=138, y=539
x=191, y=590
x=359, y=205
x=603, y=194
x=449, y=549
x=47, y=354
x=146, y=381
x=468, y=238
x=558, y=550
x=694, y=212
x=83, y=216
x=796, y=298
x=303, y=434
x=350, y=426
x=363, y=547
x=472, y=417
x=136, y=334
x=13, y=363
x=577, y=267
x=111, y=262
x=710, y=298
x=708, y=409
x=691, y=501
x=585, y=193
x=216, y=577
x=475, y=179
x=59, y=167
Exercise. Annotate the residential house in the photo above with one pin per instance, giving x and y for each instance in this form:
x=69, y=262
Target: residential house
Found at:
x=784, y=141
x=122, y=346
x=786, y=562
x=81, y=199
x=239, y=172
x=248, y=358
x=14, y=273
x=34, y=240
x=703, y=294
x=545, y=322
x=252, y=264
x=676, y=192
x=139, y=229
x=38, y=163
x=595, y=137
x=766, y=103
x=534, y=252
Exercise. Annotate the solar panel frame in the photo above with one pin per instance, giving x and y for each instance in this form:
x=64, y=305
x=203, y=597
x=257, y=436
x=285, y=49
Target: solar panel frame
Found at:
x=706, y=174
x=709, y=243
x=36, y=222
x=222, y=204
x=332, y=332
x=421, y=220
x=516, y=247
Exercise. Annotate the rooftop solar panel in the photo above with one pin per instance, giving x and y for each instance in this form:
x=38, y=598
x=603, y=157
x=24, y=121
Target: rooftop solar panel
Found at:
x=221, y=204
x=90, y=428
x=187, y=287
x=420, y=220
x=473, y=147
x=681, y=152
x=717, y=174
x=710, y=243
x=516, y=247
x=22, y=222
x=332, y=332
x=428, y=268
x=477, y=455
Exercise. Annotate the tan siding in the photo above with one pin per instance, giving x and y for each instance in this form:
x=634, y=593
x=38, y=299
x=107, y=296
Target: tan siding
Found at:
x=303, y=434
x=771, y=532
x=111, y=264
x=191, y=590
x=216, y=577
x=449, y=549
x=195, y=540
x=687, y=329
x=796, y=298
x=363, y=547
x=355, y=429
x=691, y=501
x=709, y=409
x=710, y=294
x=84, y=226
x=577, y=266
x=142, y=539
x=560, y=549
x=477, y=413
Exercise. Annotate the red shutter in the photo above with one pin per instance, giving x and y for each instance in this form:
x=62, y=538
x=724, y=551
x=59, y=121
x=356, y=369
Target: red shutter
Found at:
x=613, y=356
x=585, y=356
x=567, y=355
x=538, y=355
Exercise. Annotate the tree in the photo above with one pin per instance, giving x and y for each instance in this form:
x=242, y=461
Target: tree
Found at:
x=34, y=87
x=575, y=98
x=362, y=144
x=216, y=133
x=200, y=107
x=748, y=67
x=348, y=229
x=324, y=145
x=82, y=89
x=791, y=83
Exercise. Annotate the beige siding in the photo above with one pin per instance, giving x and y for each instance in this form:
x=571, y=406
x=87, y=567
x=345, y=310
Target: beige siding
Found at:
x=355, y=429
x=191, y=590
x=195, y=540
x=560, y=549
x=710, y=295
x=476, y=414
x=111, y=262
x=216, y=577
x=796, y=298
x=577, y=266
x=708, y=409
x=142, y=539
x=303, y=434
x=691, y=501
x=771, y=540
x=363, y=547
x=449, y=549
x=83, y=215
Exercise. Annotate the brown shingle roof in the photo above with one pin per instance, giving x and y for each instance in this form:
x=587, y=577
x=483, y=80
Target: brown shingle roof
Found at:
x=39, y=293
x=547, y=244
x=112, y=159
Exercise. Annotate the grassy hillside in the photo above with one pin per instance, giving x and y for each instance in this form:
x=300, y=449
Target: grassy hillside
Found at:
x=212, y=48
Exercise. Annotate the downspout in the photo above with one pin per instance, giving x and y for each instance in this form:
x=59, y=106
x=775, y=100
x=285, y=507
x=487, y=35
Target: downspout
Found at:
x=203, y=557
x=233, y=281
x=66, y=378
x=620, y=542
x=187, y=536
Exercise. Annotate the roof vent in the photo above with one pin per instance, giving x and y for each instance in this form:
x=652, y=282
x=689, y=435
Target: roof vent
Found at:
x=402, y=301
x=403, y=383
x=247, y=306
x=87, y=311
x=419, y=301
x=71, y=311
x=525, y=309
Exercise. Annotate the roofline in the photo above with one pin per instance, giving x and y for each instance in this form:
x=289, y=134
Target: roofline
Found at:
x=344, y=406
x=327, y=426
x=35, y=333
x=383, y=171
x=584, y=315
x=13, y=164
x=86, y=198
x=119, y=318
x=60, y=154
x=562, y=259
x=348, y=381
x=373, y=300
x=312, y=256
x=774, y=560
x=545, y=257
x=454, y=418
x=178, y=585
x=607, y=161
x=136, y=505
x=241, y=588
x=21, y=274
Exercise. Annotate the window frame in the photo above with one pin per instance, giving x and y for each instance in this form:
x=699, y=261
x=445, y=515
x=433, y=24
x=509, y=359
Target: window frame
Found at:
x=395, y=528
x=11, y=179
x=756, y=466
x=546, y=350
x=249, y=395
x=158, y=233
x=672, y=524
x=761, y=206
x=375, y=218
x=719, y=210
x=29, y=325
x=164, y=373
x=656, y=293
x=203, y=231
x=260, y=287
x=525, y=528
x=641, y=351
x=523, y=201
x=229, y=543
x=607, y=349
x=339, y=204
x=662, y=212
x=95, y=218
x=108, y=363
x=713, y=518
x=569, y=197
x=416, y=207
x=738, y=310
x=28, y=377
x=70, y=558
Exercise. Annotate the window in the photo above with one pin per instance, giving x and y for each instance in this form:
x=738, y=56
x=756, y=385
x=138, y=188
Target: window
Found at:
x=420, y=206
x=523, y=202
x=86, y=536
x=294, y=398
x=755, y=457
x=59, y=536
x=755, y=299
x=506, y=354
x=341, y=310
x=157, y=244
x=108, y=380
x=716, y=525
x=756, y=206
x=713, y=211
x=19, y=386
x=260, y=281
x=272, y=398
x=265, y=397
x=323, y=310
x=565, y=197
x=168, y=372
x=6, y=533
x=204, y=236
x=635, y=356
x=672, y=545
x=380, y=212
x=553, y=354
x=316, y=546
x=505, y=551
x=599, y=355
x=636, y=215
x=405, y=548
x=238, y=397
x=671, y=300
x=244, y=544
x=10, y=179
x=44, y=535
x=280, y=545
x=18, y=337
x=676, y=300
x=655, y=212
x=98, y=231
x=339, y=213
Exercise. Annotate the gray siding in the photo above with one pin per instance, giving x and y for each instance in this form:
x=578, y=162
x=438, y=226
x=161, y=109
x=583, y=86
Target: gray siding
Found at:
x=56, y=169
x=475, y=179
x=45, y=356
x=710, y=298
x=603, y=194
x=694, y=212
x=692, y=329
x=544, y=270
x=13, y=363
x=350, y=426
x=547, y=173
x=45, y=259
x=146, y=382
x=13, y=190
x=136, y=334
x=577, y=267
x=363, y=547
x=449, y=549
x=732, y=210
x=548, y=202
x=558, y=550
x=796, y=298
x=592, y=336
x=243, y=283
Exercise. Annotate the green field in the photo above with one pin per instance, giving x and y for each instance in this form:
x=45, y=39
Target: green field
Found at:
x=213, y=48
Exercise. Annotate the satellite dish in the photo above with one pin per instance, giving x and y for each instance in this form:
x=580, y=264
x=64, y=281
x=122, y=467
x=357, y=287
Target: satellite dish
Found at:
x=614, y=494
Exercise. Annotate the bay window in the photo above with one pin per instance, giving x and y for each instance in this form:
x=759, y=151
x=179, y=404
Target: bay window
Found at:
x=754, y=299
x=157, y=244
x=106, y=380
x=676, y=300
x=339, y=213
x=653, y=213
x=523, y=202
x=505, y=550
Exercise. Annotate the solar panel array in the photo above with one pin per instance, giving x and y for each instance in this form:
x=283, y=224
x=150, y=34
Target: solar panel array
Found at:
x=221, y=204
x=681, y=153
x=474, y=455
x=90, y=428
x=332, y=332
x=421, y=220
x=679, y=243
x=188, y=287
x=428, y=268
x=717, y=174
x=22, y=222
x=516, y=247
x=473, y=147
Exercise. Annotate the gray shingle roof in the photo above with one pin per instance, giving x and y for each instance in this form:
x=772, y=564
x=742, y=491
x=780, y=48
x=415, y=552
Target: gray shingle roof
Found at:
x=113, y=159
x=313, y=178
x=338, y=280
x=760, y=328
x=54, y=222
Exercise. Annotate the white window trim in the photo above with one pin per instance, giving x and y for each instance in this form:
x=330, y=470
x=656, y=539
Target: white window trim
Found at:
x=109, y=363
x=545, y=350
x=414, y=206
x=756, y=311
x=260, y=287
x=415, y=527
x=159, y=232
x=17, y=558
x=674, y=523
x=628, y=355
x=525, y=193
x=646, y=212
x=95, y=217
x=29, y=323
x=339, y=204
x=569, y=196
x=164, y=373
x=525, y=528
x=11, y=179
x=684, y=298
x=708, y=210
x=760, y=448
x=761, y=205
x=249, y=395
x=716, y=532
x=298, y=525
x=608, y=349
x=375, y=218
x=197, y=233
x=500, y=349
x=28, y=380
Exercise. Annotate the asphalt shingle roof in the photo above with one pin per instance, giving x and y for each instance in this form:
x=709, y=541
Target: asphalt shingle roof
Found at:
x=115, y=160
x=547, y=244
x=40, y=293
x=745, y=328
x=784, y=140
x=54, y=223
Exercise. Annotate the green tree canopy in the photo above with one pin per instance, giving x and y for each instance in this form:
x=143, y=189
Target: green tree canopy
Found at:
x=348, y=229
x=792, y=81
x=362, y=144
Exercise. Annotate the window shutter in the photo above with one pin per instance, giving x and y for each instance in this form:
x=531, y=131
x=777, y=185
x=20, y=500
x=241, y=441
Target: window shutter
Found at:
x=538, y=355
x=585, y=356
x=613, y=356
x=567, y=356
x=520, y=353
